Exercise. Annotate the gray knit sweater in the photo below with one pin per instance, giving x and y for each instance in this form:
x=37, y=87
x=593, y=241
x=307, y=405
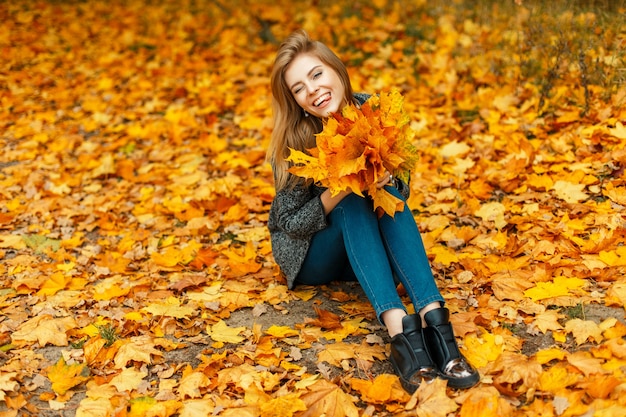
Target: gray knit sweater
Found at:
x=295, y=216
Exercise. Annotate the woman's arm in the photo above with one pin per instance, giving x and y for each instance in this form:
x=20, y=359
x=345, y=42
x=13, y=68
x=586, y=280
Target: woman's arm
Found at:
x=298, y=212
x=329, y=202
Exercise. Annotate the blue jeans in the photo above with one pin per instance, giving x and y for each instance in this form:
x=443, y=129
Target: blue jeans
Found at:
x=377, y=252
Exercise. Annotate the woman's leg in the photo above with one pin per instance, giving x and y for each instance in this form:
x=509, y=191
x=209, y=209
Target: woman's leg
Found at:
x=408, y=258
x=410, y=264
x=326, y=259
x=351, y=245
x=369, y=259
x=353, y=240
x=366, y=253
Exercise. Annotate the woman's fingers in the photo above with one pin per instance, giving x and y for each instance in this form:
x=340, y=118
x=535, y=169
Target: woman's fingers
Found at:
x=386, y=179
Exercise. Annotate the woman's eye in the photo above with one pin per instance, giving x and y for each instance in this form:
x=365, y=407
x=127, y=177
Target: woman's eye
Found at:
x=317, y=74
x=297, y=90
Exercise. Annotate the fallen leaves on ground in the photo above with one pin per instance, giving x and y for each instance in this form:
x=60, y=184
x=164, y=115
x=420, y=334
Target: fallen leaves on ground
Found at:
x=134, y=196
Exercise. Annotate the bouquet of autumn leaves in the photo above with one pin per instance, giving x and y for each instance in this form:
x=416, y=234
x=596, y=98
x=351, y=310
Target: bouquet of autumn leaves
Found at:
x=357, y=146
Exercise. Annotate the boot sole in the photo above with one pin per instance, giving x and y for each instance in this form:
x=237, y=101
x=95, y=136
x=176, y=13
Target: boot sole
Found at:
x=464, y=383
x=407, y=385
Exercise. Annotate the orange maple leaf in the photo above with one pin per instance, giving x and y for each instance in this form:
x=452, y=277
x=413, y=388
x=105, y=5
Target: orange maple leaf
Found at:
x=325, y=398
x=383, y=389
x=357, y=146
x=326, y=320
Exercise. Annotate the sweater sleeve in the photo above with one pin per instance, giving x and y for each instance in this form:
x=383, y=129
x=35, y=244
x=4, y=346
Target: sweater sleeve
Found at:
x=298, y=212
x=403, y=188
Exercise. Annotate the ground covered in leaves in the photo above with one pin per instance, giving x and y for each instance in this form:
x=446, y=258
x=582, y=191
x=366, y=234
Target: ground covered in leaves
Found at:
x=136, y=268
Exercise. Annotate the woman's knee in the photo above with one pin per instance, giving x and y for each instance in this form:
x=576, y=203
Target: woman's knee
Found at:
x=354, y=204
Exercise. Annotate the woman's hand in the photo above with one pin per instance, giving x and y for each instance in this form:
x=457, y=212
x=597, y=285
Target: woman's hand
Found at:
x=329, y=202
x=386, y=179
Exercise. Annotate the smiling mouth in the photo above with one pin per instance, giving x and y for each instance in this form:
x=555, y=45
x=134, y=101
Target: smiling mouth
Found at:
x=321, y=100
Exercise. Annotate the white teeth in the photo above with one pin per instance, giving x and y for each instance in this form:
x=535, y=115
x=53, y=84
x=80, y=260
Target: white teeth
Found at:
x=319, y=100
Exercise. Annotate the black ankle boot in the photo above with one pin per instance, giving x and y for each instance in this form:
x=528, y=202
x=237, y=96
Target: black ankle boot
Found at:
x=409, y=356
x=444, y=351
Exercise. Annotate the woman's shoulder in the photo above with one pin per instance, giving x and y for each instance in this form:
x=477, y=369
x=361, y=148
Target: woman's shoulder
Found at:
x=361, y=97
x=297, y=192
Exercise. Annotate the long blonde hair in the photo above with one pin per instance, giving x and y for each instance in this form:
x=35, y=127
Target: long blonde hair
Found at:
x=292, y=129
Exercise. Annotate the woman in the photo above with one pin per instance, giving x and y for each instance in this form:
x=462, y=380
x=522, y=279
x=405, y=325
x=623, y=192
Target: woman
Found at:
x=318, y=238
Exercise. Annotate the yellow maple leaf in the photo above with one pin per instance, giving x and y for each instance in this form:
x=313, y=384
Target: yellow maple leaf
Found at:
x=242, y=260
x=306, y=165
x=90, y=407
x=253, y=393
x=614, y=330
x=209, y=293
x=570, y=192
x=548, y=320
x=517, y=372
x=433, y=400
x=583, y=330
x=110, y=288
x=128, y=380
x=326, y=399
x=484, y=402
x=96, y=351
x=194, y=408
x=561, y=286
x=619, y=131
x=64, y=376
x=334, y=353
x=170, y=307
x=276, y=294
x=12, y=241
x=8, y=383
x=284, y=406
x=483, y=349
x=192, y=385
x=55, y=283
x=281, y=331
x=169, y=258
x=616, y=295
x=348, y=328
x=493, y=212
x=106, y=166
x=304, y=294
x=444, y=255
x=141, y=406
x=540, y=182
x=586, y=363
x=139, y=349
x=45, y=330
x=616, y=257
x=454, y=149
x=600, y=386
x=615, y=193
x=557, y=378
x=221, y=332
x=386, y=201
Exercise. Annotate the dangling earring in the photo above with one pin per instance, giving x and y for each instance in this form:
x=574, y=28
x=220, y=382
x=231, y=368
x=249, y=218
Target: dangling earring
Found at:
x=306, y=114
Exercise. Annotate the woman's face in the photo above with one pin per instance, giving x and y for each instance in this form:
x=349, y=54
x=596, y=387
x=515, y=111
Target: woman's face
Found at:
x=315, y=86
